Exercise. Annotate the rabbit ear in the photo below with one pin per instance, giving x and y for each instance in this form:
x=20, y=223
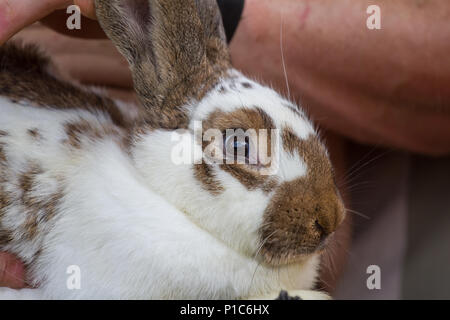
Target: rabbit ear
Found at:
x=176, y=49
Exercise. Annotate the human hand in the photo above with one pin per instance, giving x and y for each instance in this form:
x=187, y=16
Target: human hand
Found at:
x=17, y=14
x=12, y=272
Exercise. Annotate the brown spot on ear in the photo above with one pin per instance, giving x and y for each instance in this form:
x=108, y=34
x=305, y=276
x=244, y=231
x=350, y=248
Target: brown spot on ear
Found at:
x=204, y=173
x=25, y=75
x=303, y=212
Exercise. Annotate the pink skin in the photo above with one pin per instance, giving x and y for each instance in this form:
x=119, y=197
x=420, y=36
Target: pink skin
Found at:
x=5, y=10
x=12, y=272
x=304, y=15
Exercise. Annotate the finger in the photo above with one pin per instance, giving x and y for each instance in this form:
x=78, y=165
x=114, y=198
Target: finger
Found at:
x=12, y=273
x=16, y=14
x=87, y=8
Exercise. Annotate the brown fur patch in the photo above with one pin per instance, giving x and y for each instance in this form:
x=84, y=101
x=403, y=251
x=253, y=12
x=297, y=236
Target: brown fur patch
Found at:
x=204, y=173
x=6, y=236
x=25, y=75
x=27, y=179
x=83, y=129
x=3, y=158
x=26, y=182
x=38, y=209
x=305, y=211
x=5, y=197
x=242, y=118
x=249, y=178
x=179, y=57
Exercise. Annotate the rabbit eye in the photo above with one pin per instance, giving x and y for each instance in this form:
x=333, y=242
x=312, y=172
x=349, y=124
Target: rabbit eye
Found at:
x=237, y=148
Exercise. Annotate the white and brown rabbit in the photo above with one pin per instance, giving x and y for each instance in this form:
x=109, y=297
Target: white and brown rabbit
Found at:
x=83, y=184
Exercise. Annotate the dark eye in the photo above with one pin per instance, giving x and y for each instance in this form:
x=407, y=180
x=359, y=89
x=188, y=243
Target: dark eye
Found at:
x=237, y=147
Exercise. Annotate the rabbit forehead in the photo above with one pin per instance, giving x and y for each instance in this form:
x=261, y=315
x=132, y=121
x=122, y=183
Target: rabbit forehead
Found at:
x=238, y=92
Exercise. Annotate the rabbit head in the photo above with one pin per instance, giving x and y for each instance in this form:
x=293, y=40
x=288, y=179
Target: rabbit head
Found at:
x=259, y=178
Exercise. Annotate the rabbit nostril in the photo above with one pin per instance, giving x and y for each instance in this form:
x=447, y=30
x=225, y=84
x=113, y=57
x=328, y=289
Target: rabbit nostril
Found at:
x=322, y=231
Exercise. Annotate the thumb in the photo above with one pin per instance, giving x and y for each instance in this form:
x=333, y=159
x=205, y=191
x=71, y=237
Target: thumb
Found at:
x=12, y=273
x=87, y=8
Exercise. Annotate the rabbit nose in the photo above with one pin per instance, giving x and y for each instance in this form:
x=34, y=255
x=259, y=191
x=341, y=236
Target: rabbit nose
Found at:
x=296, y=226
x=327, y=222
x=324, y=233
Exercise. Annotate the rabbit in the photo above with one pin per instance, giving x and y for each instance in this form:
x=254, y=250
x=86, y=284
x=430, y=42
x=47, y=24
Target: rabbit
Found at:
x=87, y=185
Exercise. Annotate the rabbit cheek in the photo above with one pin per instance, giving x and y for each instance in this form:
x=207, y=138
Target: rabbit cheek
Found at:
x=305, y=211
x=249, y=179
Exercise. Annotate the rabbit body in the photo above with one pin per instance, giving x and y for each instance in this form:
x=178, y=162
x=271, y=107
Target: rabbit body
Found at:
x=72, y=195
